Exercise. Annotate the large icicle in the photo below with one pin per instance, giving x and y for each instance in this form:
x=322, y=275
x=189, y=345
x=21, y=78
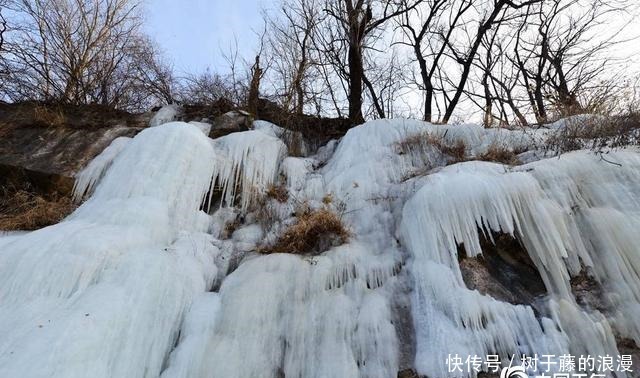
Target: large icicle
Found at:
x=93, y=172
x=249, y=161
x=103, y=292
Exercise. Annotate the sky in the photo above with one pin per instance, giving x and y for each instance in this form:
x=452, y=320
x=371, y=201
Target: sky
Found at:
x=193, y=33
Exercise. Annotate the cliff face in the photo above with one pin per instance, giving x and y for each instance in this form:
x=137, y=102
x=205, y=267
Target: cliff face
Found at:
x=160, y=272
x=47, y=145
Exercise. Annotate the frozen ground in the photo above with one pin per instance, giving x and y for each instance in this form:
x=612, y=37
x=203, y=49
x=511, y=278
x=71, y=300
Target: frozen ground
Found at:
x=141, y=281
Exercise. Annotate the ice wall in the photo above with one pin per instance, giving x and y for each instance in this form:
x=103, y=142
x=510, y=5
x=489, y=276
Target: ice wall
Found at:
x=121, y=287
x=303, y=317
x=335, y=314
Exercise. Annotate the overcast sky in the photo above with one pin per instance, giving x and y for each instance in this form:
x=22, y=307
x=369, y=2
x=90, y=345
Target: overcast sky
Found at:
x=193, y=32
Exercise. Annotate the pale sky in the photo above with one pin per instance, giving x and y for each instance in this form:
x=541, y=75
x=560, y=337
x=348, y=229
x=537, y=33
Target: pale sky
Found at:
x=193, y=32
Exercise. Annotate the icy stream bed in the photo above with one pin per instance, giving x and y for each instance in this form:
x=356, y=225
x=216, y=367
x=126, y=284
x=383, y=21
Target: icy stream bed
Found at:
x=147, y=279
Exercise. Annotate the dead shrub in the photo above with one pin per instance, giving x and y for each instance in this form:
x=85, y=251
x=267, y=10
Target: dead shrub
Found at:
x=265, y=212
x=417, y=143
x=23, y=210
x=48, y=116
x=458, y=151
x=278, y=192
x=596, y=133
x=500, y=154
x=314, y=231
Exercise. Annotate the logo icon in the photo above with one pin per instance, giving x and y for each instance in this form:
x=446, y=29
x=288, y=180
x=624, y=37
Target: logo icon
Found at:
x=513, y=372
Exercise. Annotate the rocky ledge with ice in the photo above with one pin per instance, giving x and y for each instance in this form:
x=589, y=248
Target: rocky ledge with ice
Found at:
x=161, y=271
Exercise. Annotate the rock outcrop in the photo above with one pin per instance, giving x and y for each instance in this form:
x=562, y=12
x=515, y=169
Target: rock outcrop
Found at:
x=47, y=145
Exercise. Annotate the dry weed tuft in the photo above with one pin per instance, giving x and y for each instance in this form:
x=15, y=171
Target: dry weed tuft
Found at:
x=314, y=231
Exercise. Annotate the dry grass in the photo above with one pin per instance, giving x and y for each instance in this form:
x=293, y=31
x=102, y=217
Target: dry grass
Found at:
x=278, y=192
x=411, y=143
x=500, y=154
x=458, y=151
x=315, y=231
x=23, y=210
x=48, y=116
x=417, y=142
x=596, y=133
x=265, y=208
x=33, y=114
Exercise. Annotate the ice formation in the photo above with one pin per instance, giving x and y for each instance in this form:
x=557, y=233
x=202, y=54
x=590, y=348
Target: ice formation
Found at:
x=572, y=213
x=248, y=160
x=122, y=287
x=103, y=292
x=165, y=114
x=92, y=173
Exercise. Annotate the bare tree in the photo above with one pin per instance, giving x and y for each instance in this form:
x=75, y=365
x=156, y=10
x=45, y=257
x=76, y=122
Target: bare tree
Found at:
x=290, y=44
x=561, y=53
x=429, y=40
x=3, y=63
x=206, y=88
x=3, y=25
x=356, y=21
x=66, y=46
x=465, y=57
x=79, y=52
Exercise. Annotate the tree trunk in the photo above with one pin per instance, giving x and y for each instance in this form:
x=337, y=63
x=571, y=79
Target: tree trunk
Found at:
x=254, y=87
x=356, y=71
x=468, y=61
x=426, y=81
x=539, y=97
x=488, y=104
x=568, y=103
x=374, y=97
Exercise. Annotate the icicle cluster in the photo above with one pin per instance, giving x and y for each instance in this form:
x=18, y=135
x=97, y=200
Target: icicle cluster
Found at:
x=573, y=213
x=93, y=172
x=247, y=161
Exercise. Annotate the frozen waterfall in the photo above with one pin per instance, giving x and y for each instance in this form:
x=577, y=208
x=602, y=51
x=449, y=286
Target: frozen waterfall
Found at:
x=141, y=281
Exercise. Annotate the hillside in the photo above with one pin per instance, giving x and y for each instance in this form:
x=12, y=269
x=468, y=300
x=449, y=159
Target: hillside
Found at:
x=407, y=242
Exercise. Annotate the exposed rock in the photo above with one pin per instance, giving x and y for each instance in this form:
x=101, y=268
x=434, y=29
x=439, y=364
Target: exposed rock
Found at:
x=408, y=373
x=504, y=271
x=403, y=323
x=49, y=158
x=46, y=145
x=230, y=122
x=588, y=292
x=207, y=112
x=317, y=131
x=629, y=347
